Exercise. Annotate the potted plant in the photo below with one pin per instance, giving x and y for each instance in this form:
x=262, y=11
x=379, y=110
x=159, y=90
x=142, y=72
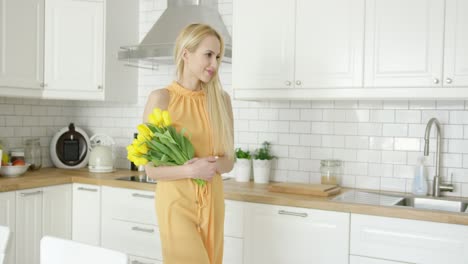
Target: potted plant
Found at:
x=243, y=165
x=262, y=163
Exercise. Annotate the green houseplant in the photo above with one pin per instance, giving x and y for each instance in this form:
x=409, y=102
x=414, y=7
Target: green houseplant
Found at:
x=262, y=163
x=243, y=165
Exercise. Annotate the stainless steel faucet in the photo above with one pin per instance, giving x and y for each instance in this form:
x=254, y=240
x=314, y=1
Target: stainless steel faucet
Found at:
x=437, y=186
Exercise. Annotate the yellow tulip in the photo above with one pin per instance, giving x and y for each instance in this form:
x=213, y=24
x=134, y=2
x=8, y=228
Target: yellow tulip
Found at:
x=166, y=118
x=144, y=131
x=152, y=119
x=157, y=113
x=141, y=148
x=140, y=161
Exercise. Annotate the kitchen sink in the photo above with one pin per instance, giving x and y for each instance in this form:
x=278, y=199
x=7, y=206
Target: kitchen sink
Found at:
x=427, y=203
x=141, y=178
x=433, y=204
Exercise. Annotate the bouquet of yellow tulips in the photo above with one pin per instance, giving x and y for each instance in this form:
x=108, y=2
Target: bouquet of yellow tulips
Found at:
x=159, y=143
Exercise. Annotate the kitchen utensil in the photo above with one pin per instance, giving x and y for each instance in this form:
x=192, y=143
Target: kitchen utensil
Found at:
x=305, y=189
x=101, y=158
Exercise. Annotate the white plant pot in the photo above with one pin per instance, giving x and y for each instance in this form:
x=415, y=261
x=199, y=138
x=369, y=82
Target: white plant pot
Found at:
x=243, y=168
x=262, y=170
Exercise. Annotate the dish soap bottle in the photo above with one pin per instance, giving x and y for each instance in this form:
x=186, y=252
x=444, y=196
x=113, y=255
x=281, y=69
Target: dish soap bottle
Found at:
x=420, y=179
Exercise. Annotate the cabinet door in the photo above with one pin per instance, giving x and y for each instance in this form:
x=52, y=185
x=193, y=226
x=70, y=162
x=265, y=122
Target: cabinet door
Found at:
x=28, y=225
x=329, y=43
x=73, y=48
x=414, y=241
x=233, y=250
x=277, y=235
x=364, y=260
x=86, y=214
x=7, y=218
x=456, y=43
x=263, y=48
x=404, y=43
x=21, y=45
x=57, y=211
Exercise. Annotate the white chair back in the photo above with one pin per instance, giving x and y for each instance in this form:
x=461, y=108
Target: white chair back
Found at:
x=59, y=251
x=4, y=236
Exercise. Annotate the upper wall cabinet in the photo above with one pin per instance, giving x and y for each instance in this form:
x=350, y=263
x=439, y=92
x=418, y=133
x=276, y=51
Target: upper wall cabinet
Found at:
x=294, y=46
x=77, y=54
x=21, y=47
x=81, y=44
x=318, y=49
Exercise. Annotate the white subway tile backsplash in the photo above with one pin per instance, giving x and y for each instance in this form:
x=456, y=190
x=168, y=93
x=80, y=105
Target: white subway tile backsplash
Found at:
x=298, y=176
x=409, y=144
x=310, y=115
x=370, y=104
x=441, y=115
x=334, y=115
x=258, y=126
x=415, y=104
x=365, y=182
x=458, y=117
x=395, y=130
x=299, y=152
x=333, y=141
x=345, y=154
x=290, y=114
x=325, y=153
x=450, y=104
x=370, y=129
x=288, y=139
x=345, y=129
x=346, y=104
x=394, y=157
x=310, y=140
x=321, y=128
x=382, y=143
x=403, y=171
x=380, y=170
x=392, y=184
x=408, y=116
x=357, y=142
x=382, y=116
x=369, y=156
x=358, y=115
x=268, y=114
x=278, y=126
x=389, y=104
x=299, y=127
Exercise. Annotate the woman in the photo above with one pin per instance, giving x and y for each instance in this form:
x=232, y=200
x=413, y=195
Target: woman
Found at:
x=191, y=217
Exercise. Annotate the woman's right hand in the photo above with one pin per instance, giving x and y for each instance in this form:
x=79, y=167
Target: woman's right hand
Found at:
x=203, y=168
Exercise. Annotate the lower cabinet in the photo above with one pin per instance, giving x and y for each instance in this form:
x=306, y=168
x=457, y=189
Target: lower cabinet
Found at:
x=365, y=260
x=280, y=234
x=7, y=218
x=39, y=212
x=129, y=223
x=87, y=214
x=140, y=260
x=233, y=232
x=408, y=241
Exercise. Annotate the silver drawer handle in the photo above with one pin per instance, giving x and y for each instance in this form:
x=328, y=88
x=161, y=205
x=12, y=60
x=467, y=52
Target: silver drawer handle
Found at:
x=147, y=230
x=139, y=262
x=143, y=195
x=283, y=212
x=87, y=189
x=31, y=193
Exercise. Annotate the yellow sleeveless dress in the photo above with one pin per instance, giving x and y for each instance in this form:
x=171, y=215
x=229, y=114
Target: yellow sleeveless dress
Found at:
x=190, y=217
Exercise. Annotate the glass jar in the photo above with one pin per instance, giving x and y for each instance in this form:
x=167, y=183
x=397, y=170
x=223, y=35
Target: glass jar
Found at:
x=32, y=153
x=330, y=171
x=16, y=154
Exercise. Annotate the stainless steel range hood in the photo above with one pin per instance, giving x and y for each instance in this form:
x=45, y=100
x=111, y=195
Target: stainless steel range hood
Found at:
x=157, y=47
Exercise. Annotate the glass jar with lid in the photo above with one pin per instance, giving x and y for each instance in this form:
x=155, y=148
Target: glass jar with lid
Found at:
x=32, y=153
x=331, y=171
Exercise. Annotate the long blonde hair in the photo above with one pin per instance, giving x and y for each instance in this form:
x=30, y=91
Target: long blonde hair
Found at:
x=222, y=124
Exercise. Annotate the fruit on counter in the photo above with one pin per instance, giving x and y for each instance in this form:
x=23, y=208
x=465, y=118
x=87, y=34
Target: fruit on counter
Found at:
x=5, y=158
x=18, y=162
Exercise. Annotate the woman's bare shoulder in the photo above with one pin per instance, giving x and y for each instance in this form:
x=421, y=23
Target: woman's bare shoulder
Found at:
x=159, y=98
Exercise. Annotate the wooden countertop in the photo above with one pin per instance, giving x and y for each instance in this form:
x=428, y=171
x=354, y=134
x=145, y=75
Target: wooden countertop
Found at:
x=247, y=192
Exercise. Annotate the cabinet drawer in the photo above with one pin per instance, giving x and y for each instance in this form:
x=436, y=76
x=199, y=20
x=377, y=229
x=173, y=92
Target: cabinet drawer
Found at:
x=234, y=219
x=132, y=238
x=233, y=248
x=365, y=260
x=408, y=240
x=128, y=205
x=139, y=260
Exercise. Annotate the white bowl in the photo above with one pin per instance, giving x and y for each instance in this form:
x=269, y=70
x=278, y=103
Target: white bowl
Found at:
x=14, y=171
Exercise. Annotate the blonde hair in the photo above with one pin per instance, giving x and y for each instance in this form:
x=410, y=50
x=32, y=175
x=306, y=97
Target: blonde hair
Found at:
x=222, y=124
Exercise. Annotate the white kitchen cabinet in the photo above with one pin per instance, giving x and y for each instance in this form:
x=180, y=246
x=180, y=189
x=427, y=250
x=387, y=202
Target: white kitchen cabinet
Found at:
x=280, y=234
x=74, y=45
x=57, y=211
x=7, y=218
x=456, y=44
x=234, y=232
x=21, y=47
x=39, y=212
x=81, y=44
x=404, y=43
x=296, y=48
x=129, y=222
x=365, y=260
x=140, y=260
x=408, y=241
x=28, y=225
x=86, y=214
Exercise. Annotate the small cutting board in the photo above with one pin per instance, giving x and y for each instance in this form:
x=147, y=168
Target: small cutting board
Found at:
x=305, y=189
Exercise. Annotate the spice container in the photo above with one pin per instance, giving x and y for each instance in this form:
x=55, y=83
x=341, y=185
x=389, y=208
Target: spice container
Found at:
x=331, y=171
x=32, y=153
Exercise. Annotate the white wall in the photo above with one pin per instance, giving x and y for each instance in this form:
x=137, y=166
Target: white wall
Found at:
x=379, y=141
